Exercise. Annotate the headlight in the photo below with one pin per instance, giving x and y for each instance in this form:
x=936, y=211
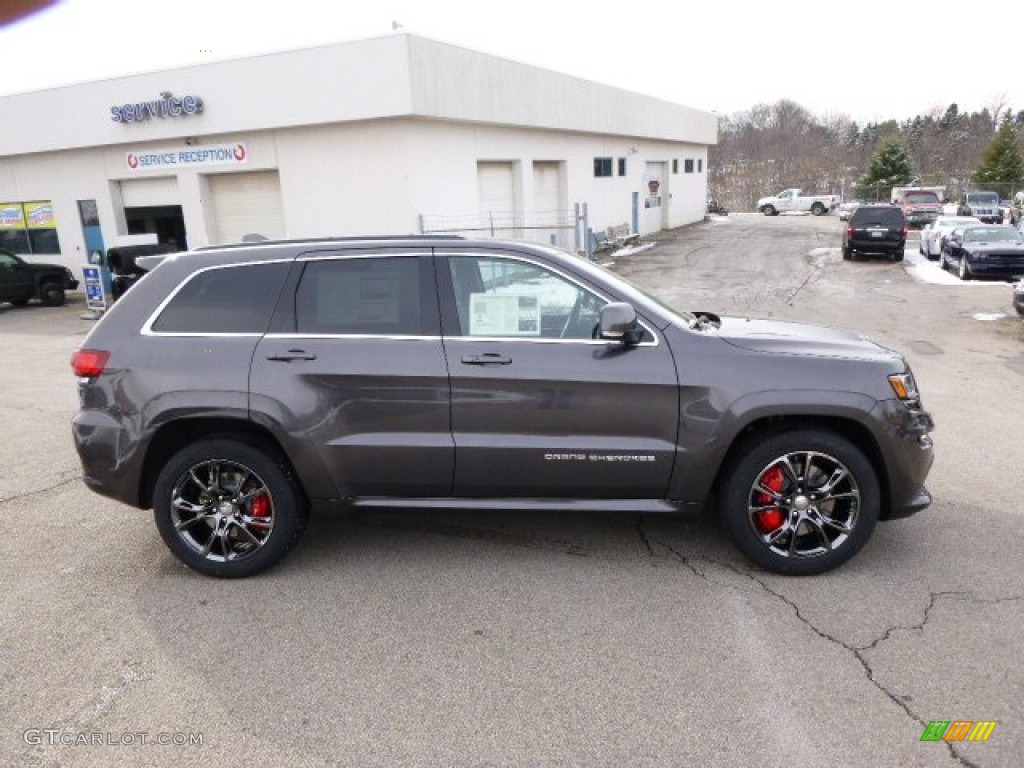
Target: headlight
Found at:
x=905, y=387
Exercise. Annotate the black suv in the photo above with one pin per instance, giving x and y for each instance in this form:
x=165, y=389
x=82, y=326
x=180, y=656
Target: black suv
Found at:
x=876, y=229
x=234, y=389
x=22, y=281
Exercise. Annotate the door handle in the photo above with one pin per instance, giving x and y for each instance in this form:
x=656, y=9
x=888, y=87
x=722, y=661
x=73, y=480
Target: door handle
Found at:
x=290, y=355
x=487, y=358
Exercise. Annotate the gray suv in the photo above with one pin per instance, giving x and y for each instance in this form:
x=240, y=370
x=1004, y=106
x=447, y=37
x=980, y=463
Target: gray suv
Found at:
x=235, y=389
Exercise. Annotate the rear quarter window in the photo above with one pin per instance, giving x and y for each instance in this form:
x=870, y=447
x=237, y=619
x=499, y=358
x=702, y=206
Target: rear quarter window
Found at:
x=232, y=299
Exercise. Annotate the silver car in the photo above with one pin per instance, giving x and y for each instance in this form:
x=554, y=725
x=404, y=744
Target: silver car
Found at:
x=932, y=235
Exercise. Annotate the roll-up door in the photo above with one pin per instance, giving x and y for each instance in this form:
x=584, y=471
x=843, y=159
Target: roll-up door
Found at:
x=150, y=193
x=246, y=203
x=498, y=211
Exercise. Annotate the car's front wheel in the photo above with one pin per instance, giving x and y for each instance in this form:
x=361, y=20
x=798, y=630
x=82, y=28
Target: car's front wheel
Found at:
x=227, y=508
x=768, y=210
x=962, y=270
x=800, y=502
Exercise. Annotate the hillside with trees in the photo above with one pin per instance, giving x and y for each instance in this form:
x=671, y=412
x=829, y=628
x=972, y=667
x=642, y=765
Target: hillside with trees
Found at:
x=774, y=146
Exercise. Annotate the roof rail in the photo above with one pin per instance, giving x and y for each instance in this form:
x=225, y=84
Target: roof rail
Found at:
x=315, y=240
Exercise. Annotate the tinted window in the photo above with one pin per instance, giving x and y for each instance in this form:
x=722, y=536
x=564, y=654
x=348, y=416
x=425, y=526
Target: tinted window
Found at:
x=360, y=296
x=225, y=300
x=507, y=298
x=877, y=217
x=921, y=197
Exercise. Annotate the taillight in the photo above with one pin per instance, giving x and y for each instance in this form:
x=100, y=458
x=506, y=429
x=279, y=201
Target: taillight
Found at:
x=89, y=363
x=849, y=231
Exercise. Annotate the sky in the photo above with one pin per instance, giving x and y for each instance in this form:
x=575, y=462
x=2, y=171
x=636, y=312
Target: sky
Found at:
x=870, y=60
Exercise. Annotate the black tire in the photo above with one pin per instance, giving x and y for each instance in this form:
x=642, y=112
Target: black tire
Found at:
x=833, y=518
x=847, y=254
x=51, y=294
x=220, y=527
x=818, y=209
x=769, y=210
x=897, y=256
x=19, y=302
x=962, y=271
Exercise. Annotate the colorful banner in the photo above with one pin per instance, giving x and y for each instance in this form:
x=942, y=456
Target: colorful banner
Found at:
x=40, y=215
x=12, y=216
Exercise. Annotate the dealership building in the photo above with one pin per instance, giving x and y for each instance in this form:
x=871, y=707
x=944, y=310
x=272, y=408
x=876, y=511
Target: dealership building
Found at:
x=392, y=135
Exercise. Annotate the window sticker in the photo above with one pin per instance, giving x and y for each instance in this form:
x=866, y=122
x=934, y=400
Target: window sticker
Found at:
x=503, y=315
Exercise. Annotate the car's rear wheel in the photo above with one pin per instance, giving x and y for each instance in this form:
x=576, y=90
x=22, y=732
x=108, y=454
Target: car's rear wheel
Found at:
x=19, y=302
x=818, y=209
x=800, y=502
x=897, y=256
x=847, y=254
x=51, y=294
x=226, y=508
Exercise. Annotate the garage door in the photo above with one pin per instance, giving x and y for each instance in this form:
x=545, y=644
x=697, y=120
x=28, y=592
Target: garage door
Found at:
x=496, y=186
x=148, y=193
x=246, y=203
x=548, y=210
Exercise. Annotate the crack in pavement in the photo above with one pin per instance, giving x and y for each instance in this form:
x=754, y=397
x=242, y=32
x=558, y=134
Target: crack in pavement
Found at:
x=859, y=651
x=41, y=491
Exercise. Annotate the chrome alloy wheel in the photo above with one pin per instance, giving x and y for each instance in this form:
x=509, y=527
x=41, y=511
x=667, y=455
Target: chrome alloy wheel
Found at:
x=804, y=504
x=222, y=510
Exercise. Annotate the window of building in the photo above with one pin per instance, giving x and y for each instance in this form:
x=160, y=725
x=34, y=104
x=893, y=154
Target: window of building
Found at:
x=224, y=300
x=29, y=227
x=700, y=165
x=688, y=165
x=378, y=296
x=675, y=165
x=622, y=166
x=602, y=166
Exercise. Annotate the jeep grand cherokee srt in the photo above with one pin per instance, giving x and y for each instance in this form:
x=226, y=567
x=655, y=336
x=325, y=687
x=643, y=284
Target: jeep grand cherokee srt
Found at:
x=234, y=389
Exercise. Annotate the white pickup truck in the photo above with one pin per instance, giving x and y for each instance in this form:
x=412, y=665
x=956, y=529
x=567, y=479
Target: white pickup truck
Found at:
x=795, y=200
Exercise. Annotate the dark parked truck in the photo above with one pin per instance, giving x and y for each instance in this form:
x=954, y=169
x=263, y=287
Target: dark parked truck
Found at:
x=232, y=390
x=21, y=281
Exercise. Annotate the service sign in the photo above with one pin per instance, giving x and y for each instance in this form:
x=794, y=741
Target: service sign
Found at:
x=95, y=297
x=187, y=157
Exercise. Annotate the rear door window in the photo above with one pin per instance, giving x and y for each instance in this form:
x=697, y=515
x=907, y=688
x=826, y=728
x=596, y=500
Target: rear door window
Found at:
x=360, y=296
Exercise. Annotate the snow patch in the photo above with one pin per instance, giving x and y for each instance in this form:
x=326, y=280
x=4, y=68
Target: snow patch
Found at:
x=989, y=317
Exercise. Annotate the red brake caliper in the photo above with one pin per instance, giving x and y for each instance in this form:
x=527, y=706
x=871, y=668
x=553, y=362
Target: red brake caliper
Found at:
x=260, y=507
x=770, y=519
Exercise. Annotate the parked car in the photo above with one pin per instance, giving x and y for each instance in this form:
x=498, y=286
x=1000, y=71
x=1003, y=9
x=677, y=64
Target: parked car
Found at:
x=920, y=206
x=234, y=388
x=796, y=200
x=993, y=250
x=847, y=208
x=1018, y=297
x=21, y=281
x=982, y=205
x=876, y=229
x=715, y=208
x=933, y=234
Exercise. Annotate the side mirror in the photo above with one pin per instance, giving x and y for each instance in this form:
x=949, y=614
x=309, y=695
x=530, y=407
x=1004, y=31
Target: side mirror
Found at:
x=619, y=322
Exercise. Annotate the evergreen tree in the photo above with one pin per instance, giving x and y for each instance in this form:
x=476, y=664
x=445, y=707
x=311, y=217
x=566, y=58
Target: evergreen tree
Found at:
x=889, y=167
x=1002, y=162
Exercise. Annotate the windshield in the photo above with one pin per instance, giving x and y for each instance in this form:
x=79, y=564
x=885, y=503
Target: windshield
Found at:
x=992, y=235
x=921, y=197
x=631, y=293
x=982, y=197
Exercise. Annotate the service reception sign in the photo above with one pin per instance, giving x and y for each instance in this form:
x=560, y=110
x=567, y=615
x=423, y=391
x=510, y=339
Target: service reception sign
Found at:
x=187, y=157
